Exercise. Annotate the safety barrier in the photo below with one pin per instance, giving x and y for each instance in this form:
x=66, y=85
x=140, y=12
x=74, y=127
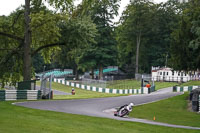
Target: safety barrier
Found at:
x=184, y=88
x=7, y=95
x=188, y=89
x=143, y=90
x=199, y=103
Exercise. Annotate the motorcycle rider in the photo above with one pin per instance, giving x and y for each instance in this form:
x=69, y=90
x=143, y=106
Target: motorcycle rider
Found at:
x=124, y=107
x=130, y=107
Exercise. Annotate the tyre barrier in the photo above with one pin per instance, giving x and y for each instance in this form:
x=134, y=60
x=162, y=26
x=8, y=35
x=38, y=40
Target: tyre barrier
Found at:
x=9, y=95
x=143, y=90
x=184, y=88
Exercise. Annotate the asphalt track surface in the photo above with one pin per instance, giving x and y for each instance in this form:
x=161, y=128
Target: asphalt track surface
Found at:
x=104, y=107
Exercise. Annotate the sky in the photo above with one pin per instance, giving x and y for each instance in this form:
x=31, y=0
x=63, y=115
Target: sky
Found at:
x=8, y=6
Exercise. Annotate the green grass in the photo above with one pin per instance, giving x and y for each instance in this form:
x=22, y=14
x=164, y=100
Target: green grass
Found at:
x=16, y=119
x=80, y=93
x=124, y=84
x=173, y=110
x=191, y=83
x=161, y=85
x=120, y=84
x=134, y=84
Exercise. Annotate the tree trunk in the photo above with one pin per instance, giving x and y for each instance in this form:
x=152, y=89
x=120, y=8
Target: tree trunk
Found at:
x=92, y=73
x=27, y=43
x=137, y=52
x=77, y=74
x=101, y=72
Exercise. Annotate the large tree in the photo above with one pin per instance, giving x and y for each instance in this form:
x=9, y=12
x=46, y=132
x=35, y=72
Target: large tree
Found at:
x=185, y=43
x=136, y=24
x=102, y=12
x=79, y=35
x=144, y=35
x=31, y=33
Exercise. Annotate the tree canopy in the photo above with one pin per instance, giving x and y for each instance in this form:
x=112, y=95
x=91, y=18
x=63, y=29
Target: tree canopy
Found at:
x=83, y=37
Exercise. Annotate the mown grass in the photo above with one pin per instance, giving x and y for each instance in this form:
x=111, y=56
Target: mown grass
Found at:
x=134, y=84
x=124, y=84
x=161, y=85
x=80, y=93
x=15, y=119
x=191, y=83
x=130, y=84
x=173, y=110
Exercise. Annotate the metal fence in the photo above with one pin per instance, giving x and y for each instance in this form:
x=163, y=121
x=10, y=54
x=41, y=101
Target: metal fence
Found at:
x=93, y=82
x=142, y=76
x=174, y=79
x=145, y=79
x=46, y=87
x=112, y=84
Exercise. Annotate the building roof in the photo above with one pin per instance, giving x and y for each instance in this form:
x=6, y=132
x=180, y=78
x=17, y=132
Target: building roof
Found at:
x=162, y=68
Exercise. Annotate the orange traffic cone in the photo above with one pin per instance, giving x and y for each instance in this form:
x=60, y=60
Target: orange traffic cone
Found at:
x=154, y=118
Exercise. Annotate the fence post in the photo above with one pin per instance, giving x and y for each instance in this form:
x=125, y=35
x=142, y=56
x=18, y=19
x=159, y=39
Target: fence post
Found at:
x=174, y=89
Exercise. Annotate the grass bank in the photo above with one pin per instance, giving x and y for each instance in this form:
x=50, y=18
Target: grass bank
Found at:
x=80, y=93
x=16, y=119
x=173, y=110
x=124, y=84
x=129, y=84
x=161, y=85
x=134, y=84
x=191, y=83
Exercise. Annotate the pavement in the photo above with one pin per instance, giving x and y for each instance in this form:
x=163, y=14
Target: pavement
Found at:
x=104, y=107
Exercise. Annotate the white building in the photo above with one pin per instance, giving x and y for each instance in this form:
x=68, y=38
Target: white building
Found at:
x=168, y=74
x=181, y=1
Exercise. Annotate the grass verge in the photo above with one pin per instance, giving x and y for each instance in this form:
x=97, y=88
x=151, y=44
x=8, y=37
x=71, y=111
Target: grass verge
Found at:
x=124, y=84
x=173, y=110
x=80, y=93
x=191, y=83
x=16, y=119
x=161, y=85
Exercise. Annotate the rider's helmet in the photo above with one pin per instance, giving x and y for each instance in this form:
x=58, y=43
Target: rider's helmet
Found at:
x=131, y=104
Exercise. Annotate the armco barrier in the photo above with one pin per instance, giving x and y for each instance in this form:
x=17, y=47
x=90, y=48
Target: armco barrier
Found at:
x=144, y=90
x=184, y=88
x=7, y=95
x=199, y=103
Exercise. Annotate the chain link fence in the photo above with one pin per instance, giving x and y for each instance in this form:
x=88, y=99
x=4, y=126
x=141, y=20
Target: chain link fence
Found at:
x=46, y=86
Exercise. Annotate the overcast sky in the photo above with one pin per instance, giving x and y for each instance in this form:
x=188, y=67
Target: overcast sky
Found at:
x=7, y=6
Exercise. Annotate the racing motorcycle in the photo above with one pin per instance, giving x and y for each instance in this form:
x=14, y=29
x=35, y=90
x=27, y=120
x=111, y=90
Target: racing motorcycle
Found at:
x=124, y=110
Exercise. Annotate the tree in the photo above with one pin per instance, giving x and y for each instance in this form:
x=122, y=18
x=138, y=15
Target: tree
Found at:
x=26, y=44
x=166, y=18
x=136, y=24
x=102, y=12
x=185, y=46
x=79, y=35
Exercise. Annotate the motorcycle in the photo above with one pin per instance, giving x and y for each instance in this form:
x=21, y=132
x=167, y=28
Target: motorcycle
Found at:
x=124, y=110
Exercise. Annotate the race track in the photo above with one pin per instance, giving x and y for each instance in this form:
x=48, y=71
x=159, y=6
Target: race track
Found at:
x=99, y=107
